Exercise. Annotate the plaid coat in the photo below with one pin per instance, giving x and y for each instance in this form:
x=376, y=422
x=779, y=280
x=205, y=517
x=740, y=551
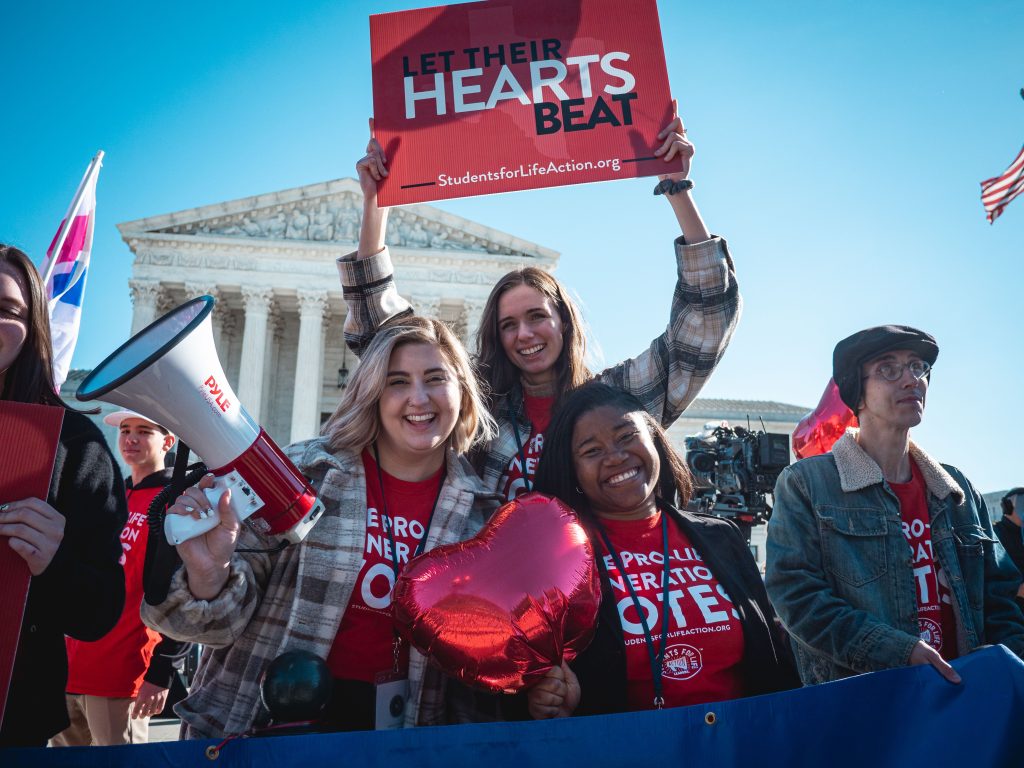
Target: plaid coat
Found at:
x=665, y=377
x=295, y=599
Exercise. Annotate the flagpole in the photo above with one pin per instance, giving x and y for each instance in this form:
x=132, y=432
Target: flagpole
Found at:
x=76, y=203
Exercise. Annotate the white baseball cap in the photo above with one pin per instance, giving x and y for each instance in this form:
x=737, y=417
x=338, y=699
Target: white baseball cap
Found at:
x=114, y=419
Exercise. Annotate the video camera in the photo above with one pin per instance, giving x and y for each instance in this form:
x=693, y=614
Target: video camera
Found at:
x=734, y=471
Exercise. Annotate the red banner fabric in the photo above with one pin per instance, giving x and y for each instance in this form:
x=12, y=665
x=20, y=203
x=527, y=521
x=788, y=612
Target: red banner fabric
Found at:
x=28, y=444
x=506, y=95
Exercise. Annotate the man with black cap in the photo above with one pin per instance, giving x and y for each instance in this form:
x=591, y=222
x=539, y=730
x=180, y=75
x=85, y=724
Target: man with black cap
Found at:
x=878, y=555
x=1008, y=529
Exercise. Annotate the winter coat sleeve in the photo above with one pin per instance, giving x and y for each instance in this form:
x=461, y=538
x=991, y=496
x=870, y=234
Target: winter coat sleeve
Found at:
x=217, y=622
x=368, y=286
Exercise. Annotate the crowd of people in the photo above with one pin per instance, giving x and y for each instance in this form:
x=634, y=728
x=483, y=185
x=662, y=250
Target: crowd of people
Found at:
x=878, y=556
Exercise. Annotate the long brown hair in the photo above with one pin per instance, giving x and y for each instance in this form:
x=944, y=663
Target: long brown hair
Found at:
x=30, y=377
x=499, y=373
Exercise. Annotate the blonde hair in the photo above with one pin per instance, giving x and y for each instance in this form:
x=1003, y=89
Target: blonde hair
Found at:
x=356, y=422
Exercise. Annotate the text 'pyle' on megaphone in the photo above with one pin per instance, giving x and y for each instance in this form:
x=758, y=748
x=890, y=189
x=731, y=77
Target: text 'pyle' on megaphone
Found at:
x=169, y=372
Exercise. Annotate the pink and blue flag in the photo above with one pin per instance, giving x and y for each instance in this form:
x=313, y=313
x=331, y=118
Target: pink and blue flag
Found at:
x=66, y=269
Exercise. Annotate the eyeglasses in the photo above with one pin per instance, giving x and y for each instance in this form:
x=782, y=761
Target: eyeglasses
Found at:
x=894, y=371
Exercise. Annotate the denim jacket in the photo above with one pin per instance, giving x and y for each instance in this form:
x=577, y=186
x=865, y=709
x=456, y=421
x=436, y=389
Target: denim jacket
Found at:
x=840, y=572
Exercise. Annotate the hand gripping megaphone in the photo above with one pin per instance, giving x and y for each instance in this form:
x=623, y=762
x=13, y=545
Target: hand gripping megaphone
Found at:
x=170, y=373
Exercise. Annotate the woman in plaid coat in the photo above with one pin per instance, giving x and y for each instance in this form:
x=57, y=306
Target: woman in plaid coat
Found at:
x=410, y=411
x=531, y=342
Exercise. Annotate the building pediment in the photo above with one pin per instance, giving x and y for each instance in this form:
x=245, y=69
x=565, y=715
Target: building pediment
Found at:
x=327, y=213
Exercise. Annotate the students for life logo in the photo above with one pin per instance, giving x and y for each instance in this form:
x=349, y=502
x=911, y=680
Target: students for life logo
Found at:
x=681, y=662
x=931, y=633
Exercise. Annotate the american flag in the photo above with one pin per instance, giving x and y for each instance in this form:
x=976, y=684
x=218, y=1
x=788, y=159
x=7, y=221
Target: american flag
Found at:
x=997, y=192
x=66, y=268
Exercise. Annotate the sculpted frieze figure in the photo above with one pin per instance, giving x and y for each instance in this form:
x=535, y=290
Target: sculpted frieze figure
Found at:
x=231, y=230
x=298, y=225
x=347, y=227
x=275, y=226
x=395, y=232
x=322, y=227
x=335, y=218
x=417, y=236
x=251, y=227
x=439, y=235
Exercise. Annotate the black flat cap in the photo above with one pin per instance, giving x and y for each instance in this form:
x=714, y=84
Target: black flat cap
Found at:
x=853, y=351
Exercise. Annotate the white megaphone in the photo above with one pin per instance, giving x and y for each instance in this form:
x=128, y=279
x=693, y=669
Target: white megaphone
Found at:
x=169, y=372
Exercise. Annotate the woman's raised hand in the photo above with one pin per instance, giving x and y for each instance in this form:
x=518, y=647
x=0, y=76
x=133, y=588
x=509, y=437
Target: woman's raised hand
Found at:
x=557, y=694
x=207, y=558
x=675, y=145
x=372, y=167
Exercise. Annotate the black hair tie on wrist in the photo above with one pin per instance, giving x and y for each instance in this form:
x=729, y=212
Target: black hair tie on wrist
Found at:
x=669, y=187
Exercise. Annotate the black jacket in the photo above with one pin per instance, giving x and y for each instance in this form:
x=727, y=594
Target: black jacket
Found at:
x=80, y=594
x=767, y=662
x=168, y=653
x=1011, y=538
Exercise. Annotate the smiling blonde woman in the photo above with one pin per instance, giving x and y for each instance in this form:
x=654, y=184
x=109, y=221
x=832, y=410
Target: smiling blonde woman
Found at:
x=390, y=471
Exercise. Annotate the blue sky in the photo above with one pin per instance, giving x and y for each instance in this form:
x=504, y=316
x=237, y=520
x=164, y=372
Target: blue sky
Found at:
x=840, y=146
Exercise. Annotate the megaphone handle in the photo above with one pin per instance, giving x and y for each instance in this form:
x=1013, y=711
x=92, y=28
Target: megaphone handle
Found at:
x=179, y=528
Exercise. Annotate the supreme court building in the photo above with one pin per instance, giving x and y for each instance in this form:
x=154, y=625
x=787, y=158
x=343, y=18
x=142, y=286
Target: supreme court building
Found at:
x=269, y=261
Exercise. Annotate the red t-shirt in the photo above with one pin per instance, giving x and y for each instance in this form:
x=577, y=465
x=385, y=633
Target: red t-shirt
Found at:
x=113, y=666
x=935, y=618
x=538, y=411
x=705, y=636
x=365, y=639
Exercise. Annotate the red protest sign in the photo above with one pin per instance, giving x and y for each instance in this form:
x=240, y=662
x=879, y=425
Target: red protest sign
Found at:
x=506, y=95
x=29, y=435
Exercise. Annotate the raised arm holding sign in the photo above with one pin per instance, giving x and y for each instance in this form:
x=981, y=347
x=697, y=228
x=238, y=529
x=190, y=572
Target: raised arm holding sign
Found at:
x=530, y=344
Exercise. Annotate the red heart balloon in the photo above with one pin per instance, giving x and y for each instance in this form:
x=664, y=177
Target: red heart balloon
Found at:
x=818, y=431
x=501, y=609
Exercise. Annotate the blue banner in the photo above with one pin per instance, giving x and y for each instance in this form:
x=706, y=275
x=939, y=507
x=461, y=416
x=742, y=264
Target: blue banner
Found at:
x=901, y=717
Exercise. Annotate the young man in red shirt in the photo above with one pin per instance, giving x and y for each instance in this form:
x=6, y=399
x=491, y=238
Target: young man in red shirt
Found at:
x=117, y=683
x=878, y=555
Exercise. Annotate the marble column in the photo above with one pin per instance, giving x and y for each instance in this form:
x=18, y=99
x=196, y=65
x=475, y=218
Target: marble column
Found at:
x=257, y=302
x=147, y=298
x=474, y=310
x=309, y=365
x=224, y=326
x=195, y=290
x=271, y=365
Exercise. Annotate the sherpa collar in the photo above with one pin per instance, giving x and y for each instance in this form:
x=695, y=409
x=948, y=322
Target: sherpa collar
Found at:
x=857, y=470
